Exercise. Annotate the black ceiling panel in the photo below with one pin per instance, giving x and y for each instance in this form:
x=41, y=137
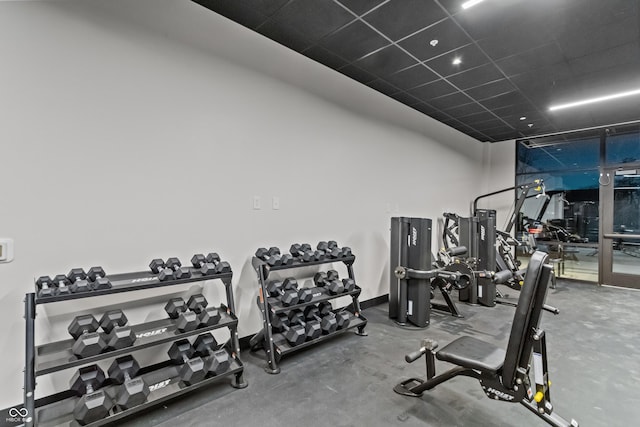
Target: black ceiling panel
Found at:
x=354, y=41
x=411, y=77
x=311, y=18
x=360, y=7
x=469, y=55
x=447, y=34
x=517, y=57
x=386, y=61
x=399, y=18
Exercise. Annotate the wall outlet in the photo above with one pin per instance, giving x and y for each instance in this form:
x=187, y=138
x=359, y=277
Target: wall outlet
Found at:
x=256, y=202
x=275, y=203
x=6, y=250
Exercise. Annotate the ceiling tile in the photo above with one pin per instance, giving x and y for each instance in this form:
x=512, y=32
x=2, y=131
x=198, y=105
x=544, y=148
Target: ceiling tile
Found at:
x=491, y=89
x=470, y=56
x=285, y=35
x=266, y=7
x=538, y=57
x=383, y=87
x=425, y=108
x=504, y=100
x=494, y=124
x=448, y=35
x=585, y=40
x=412, y=77
x=325, y=57
x=599, y=61
x=313, y=18
x=360, y=7
x=476, y=76
x=433, y=90
x=478, y=118
x=354, y=41
x=386, y=61
x=399, y=18
x=463, y=110
x=451, y=100
x=406, y=98
x=237, y=12
x=357, y=73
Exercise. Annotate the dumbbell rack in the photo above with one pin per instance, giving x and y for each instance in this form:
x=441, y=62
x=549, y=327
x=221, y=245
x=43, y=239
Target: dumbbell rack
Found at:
x=162, y=378
x=275, y=345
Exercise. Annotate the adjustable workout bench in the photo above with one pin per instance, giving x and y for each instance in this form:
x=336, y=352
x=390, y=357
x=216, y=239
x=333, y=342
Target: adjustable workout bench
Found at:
x=503, y=375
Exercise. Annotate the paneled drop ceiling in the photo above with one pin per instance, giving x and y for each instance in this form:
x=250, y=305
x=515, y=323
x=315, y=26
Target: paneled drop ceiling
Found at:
x=491, y=71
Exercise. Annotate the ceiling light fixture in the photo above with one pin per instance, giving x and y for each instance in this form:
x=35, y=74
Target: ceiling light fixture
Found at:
x=457, y=61
x=523, y=118
x=530, y=125
x=592, y=100
x=470, y=3
x=434, y=42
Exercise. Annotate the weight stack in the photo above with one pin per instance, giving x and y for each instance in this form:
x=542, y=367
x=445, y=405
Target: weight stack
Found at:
x=486, y=255
x=468, y=236
x=409, y=299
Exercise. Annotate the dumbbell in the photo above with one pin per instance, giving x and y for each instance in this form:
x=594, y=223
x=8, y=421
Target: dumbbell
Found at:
x=302, y=252
x=304, y=294
x=345, y=252
x=221, y=266
x=179, y=272
x=200, y=262
x=312, y=326
x=93, y=404
x=271, y=256
x=288, y=296
x=186, y=320
x=182, y=353
x=157, y=266
x=217, y=361
x=328, y=323
x=286, y=259
x=133, y=391
x=78, y=279
x=98, y=279
x=349, y=284
x=342, y=318
x=88, y=341
x=62, y=284
x=45, y=286
x=118, y=334
x=207, y=316
x=329, y=281
x=330, y=249
x=294, y=334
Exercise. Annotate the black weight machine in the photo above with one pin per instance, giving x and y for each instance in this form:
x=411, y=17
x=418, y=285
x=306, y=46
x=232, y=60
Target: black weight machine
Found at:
x=504, y=375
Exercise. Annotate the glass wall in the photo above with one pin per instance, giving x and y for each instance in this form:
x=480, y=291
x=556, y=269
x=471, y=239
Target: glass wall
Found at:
x=565, y=220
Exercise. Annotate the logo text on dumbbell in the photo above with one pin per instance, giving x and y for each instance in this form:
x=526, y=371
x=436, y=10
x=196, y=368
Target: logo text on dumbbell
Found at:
x=159, y=385
x=17, y=415
x=151, y=333
x=143, y=279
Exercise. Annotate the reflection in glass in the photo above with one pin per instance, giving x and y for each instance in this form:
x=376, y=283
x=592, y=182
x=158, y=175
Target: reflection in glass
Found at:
x=626, y=220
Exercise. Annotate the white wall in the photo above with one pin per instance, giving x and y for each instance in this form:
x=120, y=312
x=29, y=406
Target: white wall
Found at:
x=500, y=159
x=126, y=135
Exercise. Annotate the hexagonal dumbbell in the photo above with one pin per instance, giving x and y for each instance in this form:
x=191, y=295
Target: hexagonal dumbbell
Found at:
x=348, y=284
x=270, y=256
x=302, y=253
x=78, y=279
x=217, y=361
x=98, y=279
x=45, y=286
x=311, y=326
x=193, y=369
x=329, y=281
x=324, y=308
x=133, y=391
x=62, y=284
x=329, y=248
x=294, y=334
x=179, y=272
x=207, y=316
x=88, y=341
x=118, y=334
x=304, y=294
x=221, y=266
x=287, y=296
x=207, y=267
x=205, y=344
x=186, y=320
x=93, y=404
x=157, y=266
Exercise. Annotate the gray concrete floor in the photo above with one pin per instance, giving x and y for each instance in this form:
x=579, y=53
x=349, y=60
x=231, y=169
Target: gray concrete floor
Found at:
x=593, y=350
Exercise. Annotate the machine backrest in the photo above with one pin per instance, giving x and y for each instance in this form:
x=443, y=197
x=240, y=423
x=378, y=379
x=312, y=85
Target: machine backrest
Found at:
x=528, y=310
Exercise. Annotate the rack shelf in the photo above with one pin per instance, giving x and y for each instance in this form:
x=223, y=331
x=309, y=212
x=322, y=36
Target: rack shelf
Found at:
x=57, y=409
x=164, y=380
x=57, y=356
x=274, y=344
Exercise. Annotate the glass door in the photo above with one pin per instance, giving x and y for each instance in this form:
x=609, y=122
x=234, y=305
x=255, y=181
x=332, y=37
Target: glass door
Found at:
x=620, y=226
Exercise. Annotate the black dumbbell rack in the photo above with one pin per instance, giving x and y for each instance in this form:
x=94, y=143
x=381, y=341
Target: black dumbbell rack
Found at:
x=274, y=344
x=163, y=378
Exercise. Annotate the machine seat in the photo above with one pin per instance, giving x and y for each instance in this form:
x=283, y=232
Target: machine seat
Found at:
x=473, y=353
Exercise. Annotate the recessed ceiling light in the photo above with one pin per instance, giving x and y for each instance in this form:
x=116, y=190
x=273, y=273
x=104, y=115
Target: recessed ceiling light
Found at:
x=470, y=3
x=530, y=125
x=434, y=42
x=457, y=61
x=592, y=100
x=523, y=118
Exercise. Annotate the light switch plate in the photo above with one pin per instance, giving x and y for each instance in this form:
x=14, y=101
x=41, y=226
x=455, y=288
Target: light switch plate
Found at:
x=6, y=249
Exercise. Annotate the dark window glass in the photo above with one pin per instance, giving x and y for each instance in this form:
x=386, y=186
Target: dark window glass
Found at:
x=623, y=148
x=578, y=154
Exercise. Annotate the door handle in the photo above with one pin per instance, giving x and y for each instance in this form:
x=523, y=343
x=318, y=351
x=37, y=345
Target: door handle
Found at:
x=620, y=236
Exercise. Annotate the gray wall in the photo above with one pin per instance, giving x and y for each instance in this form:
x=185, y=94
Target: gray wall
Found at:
x=133, y=130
